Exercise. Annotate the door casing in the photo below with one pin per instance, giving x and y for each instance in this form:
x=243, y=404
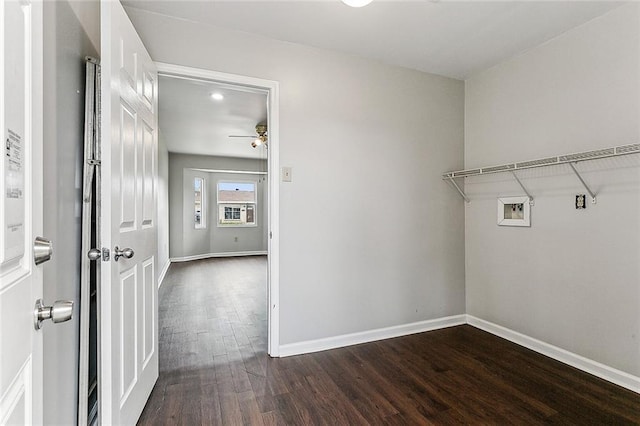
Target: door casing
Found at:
x=271, y=88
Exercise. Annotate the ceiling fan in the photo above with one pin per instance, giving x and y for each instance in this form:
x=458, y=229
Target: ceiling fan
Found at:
x=260, y=139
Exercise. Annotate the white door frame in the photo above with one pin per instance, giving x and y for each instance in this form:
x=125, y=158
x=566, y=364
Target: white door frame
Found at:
x=273, y=226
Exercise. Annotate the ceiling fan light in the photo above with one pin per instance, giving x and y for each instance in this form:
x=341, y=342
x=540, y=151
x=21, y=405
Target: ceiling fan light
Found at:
x=356, y=3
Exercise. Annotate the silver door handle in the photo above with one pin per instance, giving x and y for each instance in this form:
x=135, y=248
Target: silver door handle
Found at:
x=127, y=253
x=94, y=254
x=99, y=254
x=61, y=311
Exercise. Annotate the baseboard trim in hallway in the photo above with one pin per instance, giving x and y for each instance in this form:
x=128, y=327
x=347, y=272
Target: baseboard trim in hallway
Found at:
x=318, y=345
x=163, y=272
x=598, y=369
x=587, y=365
x=210, y=255
x=214, y=367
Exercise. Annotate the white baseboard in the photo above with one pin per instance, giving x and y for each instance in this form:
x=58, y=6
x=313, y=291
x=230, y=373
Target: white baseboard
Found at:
x=605, y=372
x=209, y=255
x=370, y=335
x=163, y=272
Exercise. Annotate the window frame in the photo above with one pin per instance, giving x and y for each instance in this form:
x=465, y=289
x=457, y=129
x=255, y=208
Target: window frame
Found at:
x=203, y=209
x=242, y=205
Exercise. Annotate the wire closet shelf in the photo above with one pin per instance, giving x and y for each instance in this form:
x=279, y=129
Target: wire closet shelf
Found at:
x=570, y=159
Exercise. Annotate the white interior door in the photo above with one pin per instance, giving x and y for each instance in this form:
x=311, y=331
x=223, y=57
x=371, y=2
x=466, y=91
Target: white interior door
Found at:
x=128, y=290
x=20, y=211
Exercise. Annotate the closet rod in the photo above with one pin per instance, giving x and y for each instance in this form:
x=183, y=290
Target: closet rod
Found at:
x=550, y=161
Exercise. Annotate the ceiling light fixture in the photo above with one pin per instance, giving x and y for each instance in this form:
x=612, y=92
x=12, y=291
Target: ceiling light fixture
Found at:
x=217, y=96
x=356, y=3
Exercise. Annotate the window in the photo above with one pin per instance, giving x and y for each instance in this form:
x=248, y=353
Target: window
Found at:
x=237, y=203
x=231, y=213
x=199, y=203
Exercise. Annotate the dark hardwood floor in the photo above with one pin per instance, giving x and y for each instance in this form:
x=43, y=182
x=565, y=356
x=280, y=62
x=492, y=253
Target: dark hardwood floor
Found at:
x=214, y=369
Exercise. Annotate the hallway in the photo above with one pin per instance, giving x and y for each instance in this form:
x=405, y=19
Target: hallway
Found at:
x=213, y=338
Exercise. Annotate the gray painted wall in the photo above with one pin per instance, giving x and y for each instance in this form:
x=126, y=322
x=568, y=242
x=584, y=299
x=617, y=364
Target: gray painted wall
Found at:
x=573, y=278
x=370, y=235
x=65, y=45
x=214, y=239
x=188, y=241
x=386, y=135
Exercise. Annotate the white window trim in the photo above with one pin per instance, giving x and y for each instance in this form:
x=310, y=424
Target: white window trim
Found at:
x=203, y=204
x=244, y=203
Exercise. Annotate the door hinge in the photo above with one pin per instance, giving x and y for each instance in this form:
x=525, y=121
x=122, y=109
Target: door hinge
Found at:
x=270, y=235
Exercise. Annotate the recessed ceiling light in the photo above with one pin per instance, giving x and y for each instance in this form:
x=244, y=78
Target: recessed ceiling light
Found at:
x=356, y=3
x=217, y=96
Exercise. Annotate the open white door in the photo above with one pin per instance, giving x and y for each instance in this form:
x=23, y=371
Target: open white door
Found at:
x=128, y=353
x=20, y=211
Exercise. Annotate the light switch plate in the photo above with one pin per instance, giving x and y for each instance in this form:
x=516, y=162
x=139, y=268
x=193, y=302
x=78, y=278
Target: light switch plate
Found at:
x=286, y=174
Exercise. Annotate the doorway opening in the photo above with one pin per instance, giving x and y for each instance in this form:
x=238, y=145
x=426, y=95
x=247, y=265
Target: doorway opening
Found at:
x=229, y=208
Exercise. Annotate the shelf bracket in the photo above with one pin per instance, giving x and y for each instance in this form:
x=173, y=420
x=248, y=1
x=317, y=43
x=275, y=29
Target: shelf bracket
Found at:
x=458, y=188
x=531, y=201
x=593, y=196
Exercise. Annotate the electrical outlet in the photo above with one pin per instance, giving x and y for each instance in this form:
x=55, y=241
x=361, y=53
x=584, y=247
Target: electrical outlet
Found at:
x=581, y=201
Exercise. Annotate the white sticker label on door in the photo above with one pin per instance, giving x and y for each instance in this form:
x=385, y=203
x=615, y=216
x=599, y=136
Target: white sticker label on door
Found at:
x=14, y=203
x=14, y=156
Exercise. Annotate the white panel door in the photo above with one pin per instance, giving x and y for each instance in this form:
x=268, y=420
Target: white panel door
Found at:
x=20, y=211
x=128, y=291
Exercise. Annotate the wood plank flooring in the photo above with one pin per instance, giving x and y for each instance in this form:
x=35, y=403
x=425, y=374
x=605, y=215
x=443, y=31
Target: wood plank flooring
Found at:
x=214, y=369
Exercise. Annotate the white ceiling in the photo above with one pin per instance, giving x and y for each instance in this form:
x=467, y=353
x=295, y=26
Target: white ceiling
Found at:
x=192, y=122
x=450, y=38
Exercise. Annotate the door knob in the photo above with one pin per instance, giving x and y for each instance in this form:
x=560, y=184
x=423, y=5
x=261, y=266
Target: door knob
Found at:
x=127, y=253
x=94, y=254
x=61, y=311
x=99, y=254
x=42, y=250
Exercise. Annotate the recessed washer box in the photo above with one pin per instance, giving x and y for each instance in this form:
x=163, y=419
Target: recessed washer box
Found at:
x=514, y=211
